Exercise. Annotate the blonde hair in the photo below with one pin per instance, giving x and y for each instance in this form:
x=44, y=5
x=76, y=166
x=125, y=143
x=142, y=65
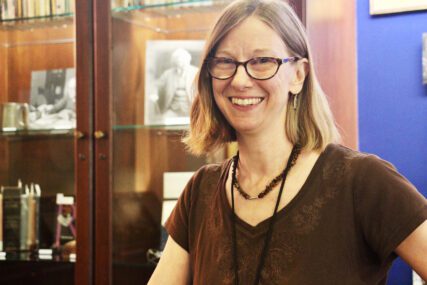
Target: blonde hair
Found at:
x=311, y=124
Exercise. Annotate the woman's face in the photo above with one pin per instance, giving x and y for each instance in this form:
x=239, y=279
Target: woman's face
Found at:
x=252, y=106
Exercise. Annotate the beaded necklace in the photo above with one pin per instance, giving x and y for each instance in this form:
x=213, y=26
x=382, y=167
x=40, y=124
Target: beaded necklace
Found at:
x=261, y=195
x=291, y=162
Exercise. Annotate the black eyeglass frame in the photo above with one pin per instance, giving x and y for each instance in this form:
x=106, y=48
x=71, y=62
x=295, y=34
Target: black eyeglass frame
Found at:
x=236, y=63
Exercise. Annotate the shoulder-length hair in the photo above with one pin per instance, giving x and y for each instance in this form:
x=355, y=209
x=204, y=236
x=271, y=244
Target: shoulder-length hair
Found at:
x=311, y=124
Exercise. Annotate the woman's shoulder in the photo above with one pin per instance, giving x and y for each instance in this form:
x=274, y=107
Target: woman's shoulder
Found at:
x=211, y=173
x=341, y=160
x=355, y=157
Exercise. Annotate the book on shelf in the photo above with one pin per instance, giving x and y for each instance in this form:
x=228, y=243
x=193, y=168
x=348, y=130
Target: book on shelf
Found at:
x=11, y=217
x=24, y=9
x=19, y=212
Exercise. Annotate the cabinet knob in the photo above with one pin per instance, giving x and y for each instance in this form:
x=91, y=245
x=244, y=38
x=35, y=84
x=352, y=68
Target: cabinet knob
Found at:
x=99, y=135
x=78, y=134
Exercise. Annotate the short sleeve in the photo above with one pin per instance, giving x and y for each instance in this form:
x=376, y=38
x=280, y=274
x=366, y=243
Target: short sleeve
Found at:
x=177, y=224
x=388, y=206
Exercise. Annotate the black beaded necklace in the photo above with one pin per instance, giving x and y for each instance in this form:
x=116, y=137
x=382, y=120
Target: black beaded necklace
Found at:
x=291, y=162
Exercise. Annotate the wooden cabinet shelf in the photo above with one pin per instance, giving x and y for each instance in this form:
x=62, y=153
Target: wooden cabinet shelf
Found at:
x=38, y=133
x=36, y=22
x=172, y=17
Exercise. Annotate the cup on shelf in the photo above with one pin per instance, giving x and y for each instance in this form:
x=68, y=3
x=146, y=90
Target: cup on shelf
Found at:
x=14, y=116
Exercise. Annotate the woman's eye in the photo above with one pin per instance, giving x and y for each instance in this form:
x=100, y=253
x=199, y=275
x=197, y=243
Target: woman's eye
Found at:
x=224, y=60
x=261, y=60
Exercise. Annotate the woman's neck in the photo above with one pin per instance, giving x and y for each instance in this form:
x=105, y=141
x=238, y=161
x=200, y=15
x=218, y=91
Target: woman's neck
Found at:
x=262, y=156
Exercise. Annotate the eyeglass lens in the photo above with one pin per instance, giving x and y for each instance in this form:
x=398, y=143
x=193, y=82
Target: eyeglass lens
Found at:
x=258, y=68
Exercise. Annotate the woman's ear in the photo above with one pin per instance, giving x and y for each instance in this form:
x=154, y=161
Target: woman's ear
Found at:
x=301, y=71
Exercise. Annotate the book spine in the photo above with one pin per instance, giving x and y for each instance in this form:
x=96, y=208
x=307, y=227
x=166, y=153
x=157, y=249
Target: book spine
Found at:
x=19, y=9
x=24, y=222
x=36, y=221
x=11, y=9
x=12, y=219
x=25, y=8
x=47, y=7
x=53, y=7
x=60, y=6
x=30, y=9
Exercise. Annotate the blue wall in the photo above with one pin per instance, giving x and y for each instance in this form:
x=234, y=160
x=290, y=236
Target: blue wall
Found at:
x=392, y=99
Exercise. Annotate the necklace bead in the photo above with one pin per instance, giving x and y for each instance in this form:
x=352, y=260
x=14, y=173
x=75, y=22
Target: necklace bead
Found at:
x=273, y=183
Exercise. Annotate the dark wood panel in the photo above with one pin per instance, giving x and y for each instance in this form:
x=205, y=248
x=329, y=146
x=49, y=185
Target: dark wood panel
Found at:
x=36, y=273
x=332, y=33
x=83, y=152
x=45, y=160
x=102, y=147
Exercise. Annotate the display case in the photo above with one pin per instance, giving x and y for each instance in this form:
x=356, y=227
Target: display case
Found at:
x=35, y=152
x=42, y=155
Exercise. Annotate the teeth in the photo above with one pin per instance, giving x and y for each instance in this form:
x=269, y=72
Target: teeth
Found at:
x=246, y=101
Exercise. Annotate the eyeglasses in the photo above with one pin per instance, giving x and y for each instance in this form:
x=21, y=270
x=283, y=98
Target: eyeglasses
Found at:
x=260, y=68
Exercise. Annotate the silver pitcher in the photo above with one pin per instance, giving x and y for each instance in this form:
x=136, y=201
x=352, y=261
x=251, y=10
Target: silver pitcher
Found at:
x=14, y=116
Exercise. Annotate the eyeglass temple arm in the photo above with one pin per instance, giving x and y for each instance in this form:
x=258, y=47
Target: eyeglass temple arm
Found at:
x=291, y=59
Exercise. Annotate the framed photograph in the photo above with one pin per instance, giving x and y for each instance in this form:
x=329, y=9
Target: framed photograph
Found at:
x=170, y=69
x=395, y=6
x=53, y=99
x=425, y=58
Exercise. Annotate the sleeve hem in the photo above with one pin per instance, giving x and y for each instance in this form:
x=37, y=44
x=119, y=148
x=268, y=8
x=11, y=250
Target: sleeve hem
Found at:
x=174, y=234
x=401, y=233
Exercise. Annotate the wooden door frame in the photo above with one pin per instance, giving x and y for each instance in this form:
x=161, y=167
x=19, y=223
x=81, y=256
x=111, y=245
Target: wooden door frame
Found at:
x=83, y=142
x=102, y=142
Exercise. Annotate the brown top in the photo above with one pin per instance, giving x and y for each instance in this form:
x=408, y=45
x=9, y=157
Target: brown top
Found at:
x=341, y=228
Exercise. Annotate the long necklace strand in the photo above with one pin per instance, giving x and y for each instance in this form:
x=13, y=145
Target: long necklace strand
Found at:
x=291, y=161
x=236, y=265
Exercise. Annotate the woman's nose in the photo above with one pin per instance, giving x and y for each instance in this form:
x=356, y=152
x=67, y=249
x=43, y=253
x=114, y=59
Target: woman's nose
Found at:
x=241, y=78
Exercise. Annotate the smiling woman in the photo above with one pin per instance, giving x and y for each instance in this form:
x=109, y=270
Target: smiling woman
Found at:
x=292, y=197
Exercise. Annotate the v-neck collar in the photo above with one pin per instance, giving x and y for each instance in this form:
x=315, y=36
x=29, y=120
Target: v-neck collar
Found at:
x=262, y=226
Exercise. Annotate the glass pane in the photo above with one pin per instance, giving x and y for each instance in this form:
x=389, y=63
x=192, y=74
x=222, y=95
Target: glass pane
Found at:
x=150, y=116
x=37, y=121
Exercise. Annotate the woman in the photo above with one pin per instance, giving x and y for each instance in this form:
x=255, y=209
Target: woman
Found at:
x=292, y=207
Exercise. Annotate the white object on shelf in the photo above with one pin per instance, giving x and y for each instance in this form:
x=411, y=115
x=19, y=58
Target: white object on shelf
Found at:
x=174, y=183
x=45, y=251
x=416, y=279
x=64, y=200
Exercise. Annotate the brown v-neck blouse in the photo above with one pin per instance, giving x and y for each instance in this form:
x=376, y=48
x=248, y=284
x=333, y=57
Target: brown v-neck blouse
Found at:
x=341, y=228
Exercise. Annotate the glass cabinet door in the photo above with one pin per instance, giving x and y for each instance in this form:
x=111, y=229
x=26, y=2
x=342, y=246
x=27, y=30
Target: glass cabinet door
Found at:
x=37, y=123
x=156, y=50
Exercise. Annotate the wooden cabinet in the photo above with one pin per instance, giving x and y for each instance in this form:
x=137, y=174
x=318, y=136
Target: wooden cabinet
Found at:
x=48, y=154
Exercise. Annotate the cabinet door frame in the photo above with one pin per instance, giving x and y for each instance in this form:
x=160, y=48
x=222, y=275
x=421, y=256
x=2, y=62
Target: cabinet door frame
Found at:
x=83, y=142
x=102, y=142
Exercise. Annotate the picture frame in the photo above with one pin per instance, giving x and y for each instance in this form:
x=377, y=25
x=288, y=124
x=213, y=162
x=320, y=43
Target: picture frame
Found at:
x=378, y=7
x=53, y=99
x=170, y=70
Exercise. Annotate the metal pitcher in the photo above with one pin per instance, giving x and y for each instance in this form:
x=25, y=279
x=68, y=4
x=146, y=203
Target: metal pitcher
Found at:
x=14, y=116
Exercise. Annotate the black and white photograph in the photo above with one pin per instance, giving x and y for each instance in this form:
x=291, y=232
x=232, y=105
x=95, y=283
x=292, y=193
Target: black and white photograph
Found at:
x=53, y=99
x=171, y=66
